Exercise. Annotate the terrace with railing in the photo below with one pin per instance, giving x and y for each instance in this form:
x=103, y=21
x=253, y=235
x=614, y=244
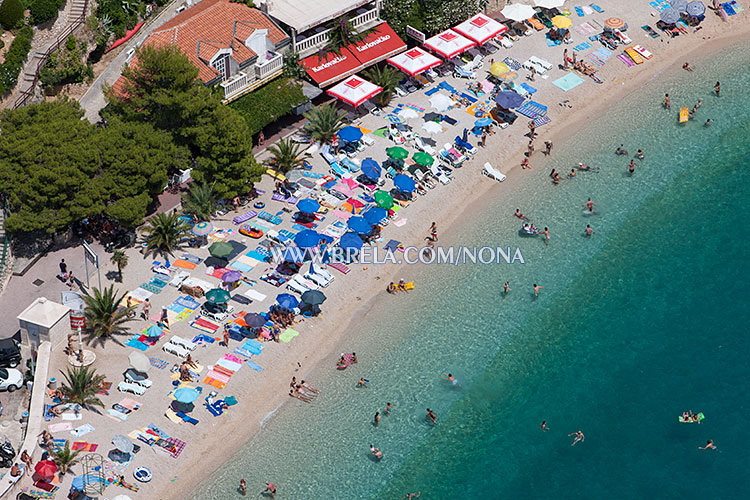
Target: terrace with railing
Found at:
x=311, y=41
x=253, y=76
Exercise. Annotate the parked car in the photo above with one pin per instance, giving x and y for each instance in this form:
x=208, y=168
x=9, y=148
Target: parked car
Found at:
x=10, y=379
x=10, y=353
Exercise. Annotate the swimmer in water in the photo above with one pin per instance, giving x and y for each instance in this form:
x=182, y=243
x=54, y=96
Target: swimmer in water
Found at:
x=639, y=154
x=388, y=408
x=536, y=290
x=546, y=235
x=451, y=378
x=376, y=453
x=666, y=101
x=589, y=231
x=377, y=418
x=572, y=173
x=544, y=426
x=410, y=496
x=621, y=150
x=520, y=215
x=583, y=167
x=362, y=383
x=590, y=206
x=506, y=288
x=432, y=416
x=578, y=437
x=709, y=446
x=708, y=122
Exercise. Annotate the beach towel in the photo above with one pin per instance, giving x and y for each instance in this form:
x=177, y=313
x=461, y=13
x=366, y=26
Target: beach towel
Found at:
x=529, y=88
x=254, y=295
x=597, y=8
x=542, y=120
x=241, y=267
x=569, y=81
x=191, y=258
x=244, y=217
x=270, y=218
x=342, y=268
x=446, y=86
x=287, y=335
x=151, y=288
x=551, y=42
x=594, y=38
x=255, y=366
x=177, y=445
x=285, y=199
x=214, y=382
x=582, y=46
x=43, y=494
x=136, y=344
x=58, y=444
x=84, y=446
x=207, y=324
x=587, y=10
x=603, y=53
x=625, y=59
x=183, y=264
x=594, y=59
x=392, y=245
x=432, y=91
x=116, y=415
x=82, y=430
x=579, y=11
x=532, y=110
x=229, y=364
x=253, y=346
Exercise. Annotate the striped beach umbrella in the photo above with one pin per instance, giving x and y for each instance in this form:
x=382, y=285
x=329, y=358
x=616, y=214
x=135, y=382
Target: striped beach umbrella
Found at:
x=614, y=22
x=202, y=228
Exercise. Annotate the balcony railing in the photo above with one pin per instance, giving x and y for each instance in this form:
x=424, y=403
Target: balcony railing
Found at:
x=236, y=84
x=269, y=66
x=311, y=44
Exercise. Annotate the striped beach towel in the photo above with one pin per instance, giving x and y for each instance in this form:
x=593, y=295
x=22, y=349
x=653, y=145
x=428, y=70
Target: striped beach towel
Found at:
x=512, y=63
x=342, y=268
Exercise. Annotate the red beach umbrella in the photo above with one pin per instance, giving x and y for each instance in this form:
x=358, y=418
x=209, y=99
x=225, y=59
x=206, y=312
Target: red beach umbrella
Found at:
x=46, y=468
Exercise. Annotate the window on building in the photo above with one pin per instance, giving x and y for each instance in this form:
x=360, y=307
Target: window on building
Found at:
x=222, y=66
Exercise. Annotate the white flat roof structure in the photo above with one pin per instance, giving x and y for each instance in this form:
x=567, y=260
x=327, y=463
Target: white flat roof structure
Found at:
x=305, y=14
x=44, y=313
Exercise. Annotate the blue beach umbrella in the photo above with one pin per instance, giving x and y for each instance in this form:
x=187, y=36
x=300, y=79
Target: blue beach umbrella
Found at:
x=307, y=238
x=186, y=395
x=287, y=301
x=375, y=215
x=670, y=16
x=350, y=134
x=351, y=241
x=679, y=5
x=508, y=99
x=153, y=331
x=371, y=169
x=308, y=206
x=404, y=183
x=483, y=122
x=695, y=9
x=293, y=254
x=359, y=225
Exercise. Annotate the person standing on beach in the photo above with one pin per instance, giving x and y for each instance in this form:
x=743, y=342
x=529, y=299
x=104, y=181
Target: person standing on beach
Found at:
x=377, y=418
x=484, y=138
x=717, y=89
x=525, y=164
x=243, y=486
x=565, y=59
x=536, y=290
x=146, y=309
x=531, y=148
x=666, y=102
x=433, y=231
x=532, y=129
x=270, y=488
x=63, y=269
x=547, y=148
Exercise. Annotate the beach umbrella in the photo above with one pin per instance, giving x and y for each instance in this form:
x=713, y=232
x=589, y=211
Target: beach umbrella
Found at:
x=371, y=169
x=351, y=241
x=549, y=4
x=153, y=331
x=231, y=276
x=404, y=183
x=375, y=215
x=221, y=249
x=395, y=119
x=432, y=127
x=202, y=228
x=308, y=206
x=562, y=22
x=359, y=225
x=422, y=158
x=499, y=68
x=294, y=175
x=217, y=296
x=670, y=16
x=614, y=22
x=483, y=122
x=139, y=361
x=254, y=320
x=307, y=238
x=383, y=199
x=46, y=468
x=441, y=102
x=518, y=12
x=696, y=9
x=510, y=75
x=408, y=114
x=122, y=443
x=350, y=134
x=397, y=153
x=343, y=189
x=508, y=99
x=186, y=395
x=293, y=254
x=679, y=5
x=313, y=297
x=287, y=300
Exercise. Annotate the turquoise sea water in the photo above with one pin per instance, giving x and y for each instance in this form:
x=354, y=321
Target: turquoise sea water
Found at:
x=646, y=319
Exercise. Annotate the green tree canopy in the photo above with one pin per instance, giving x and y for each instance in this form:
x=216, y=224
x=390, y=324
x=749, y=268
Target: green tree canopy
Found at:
x=11, y=14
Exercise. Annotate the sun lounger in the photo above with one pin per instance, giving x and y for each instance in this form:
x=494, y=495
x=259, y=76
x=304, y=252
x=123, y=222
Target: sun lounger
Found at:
x=183, y=342
x=465, y=146
x=131, y=388
x=459, y=72
x=421, y=146
x=296, y=287
x=504, y=42
x=489, y=171
x=178, y=278
x=175, y=349
x=325, y=152
x=350, y=164
x=143, y=382
x=541, y=62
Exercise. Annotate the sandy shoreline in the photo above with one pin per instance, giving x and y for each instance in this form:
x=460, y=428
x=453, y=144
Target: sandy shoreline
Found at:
x=338, y=316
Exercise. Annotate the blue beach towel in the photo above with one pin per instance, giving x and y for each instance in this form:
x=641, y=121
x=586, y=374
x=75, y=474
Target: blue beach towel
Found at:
x=596, y=8
x=255, y=366
x=579, y=11
x=257, y=256
x=528, y=88
x=582, y=46
x=594, y=38
x=241, y=266
x=136, y=344
x=431, y=91
x=569, y=81
x=446, y=86
x=188, y=302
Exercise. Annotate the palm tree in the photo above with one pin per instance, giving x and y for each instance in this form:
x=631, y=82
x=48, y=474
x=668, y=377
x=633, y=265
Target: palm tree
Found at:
x=81, y=386
x=341, y=33
x=387, y=78
x=325, y=122
x=120, y=259
x=102, y=315
x=285, y=156
x=165, y=232
x=200, y=201
x=65, y=458
x=292, y=67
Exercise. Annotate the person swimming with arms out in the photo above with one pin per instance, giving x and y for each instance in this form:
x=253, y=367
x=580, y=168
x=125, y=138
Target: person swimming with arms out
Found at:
x=590, y=206
x=432, y=416
x=536, y=290
x=709, y=446
x=579, y=437
x=450, y=378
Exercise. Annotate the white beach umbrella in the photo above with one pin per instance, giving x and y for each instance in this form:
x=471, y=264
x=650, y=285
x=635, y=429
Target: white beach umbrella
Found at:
x=432, y=127
x=549, y=4
x=139, y=361
x=518, y=12
x=441, y=102
x=408, y=114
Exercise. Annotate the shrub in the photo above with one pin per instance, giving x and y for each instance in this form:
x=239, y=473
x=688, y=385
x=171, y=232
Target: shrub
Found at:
x=11, y=14
x=44, y=10
x=14, y=59
x=269, y=103
x=66, y=65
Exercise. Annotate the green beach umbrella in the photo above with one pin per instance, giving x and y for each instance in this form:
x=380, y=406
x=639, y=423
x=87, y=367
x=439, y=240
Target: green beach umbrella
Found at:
x=423, y=159
x=383, y=199
x=218, y=296
x=397, y=153
x=221, y=249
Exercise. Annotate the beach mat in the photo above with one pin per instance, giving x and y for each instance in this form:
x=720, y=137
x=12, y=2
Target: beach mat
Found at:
x=183, y=264
x=342, y=268
x=255, y=366
x=568, y=82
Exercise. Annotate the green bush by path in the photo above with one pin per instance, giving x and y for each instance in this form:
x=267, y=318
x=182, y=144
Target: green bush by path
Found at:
x=14, y=59
x=269, y=103
x=11, y=14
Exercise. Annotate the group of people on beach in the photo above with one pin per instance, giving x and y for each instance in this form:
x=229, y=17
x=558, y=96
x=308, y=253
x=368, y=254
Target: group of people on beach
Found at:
x=302, y=390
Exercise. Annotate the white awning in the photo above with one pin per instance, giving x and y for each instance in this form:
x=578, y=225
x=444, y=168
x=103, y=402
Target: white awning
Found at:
x=414, y=61
x=480, y=28
x=449, y=44
x=354, y=90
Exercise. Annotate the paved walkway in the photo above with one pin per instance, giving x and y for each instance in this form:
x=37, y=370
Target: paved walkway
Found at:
x=93, y=100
